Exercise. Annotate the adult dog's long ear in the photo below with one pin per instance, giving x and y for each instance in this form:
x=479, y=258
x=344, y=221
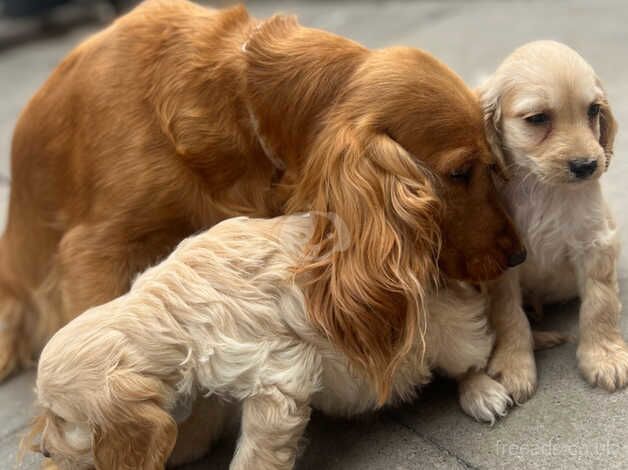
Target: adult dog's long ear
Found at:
x=608, y=127
x=367, y=295
x=294, y=75
x=489, y=94
x=135, y=432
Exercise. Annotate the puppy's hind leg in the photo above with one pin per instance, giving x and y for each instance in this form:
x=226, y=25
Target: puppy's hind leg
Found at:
x=272, y=426
x=549, y=339
x=209, y=420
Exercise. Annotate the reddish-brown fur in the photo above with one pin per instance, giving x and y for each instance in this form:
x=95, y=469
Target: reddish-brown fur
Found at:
x=164, y=124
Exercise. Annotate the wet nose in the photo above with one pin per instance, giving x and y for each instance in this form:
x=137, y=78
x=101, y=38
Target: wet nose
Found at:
x=45, y=453
x=517, y=258
x=582, y=168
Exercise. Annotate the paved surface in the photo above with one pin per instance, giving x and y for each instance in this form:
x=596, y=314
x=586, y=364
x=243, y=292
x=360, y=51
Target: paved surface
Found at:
x=567, y=424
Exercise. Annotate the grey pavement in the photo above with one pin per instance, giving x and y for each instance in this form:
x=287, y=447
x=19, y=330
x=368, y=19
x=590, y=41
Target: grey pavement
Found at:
x=567, y=424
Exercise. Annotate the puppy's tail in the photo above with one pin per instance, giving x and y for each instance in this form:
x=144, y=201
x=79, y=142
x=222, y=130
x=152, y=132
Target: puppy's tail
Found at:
x=549, y=339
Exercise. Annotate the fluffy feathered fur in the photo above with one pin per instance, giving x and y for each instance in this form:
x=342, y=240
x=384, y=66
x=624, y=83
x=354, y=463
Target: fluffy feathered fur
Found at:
x=225, y=316
x=548, y=118
x=177, y=117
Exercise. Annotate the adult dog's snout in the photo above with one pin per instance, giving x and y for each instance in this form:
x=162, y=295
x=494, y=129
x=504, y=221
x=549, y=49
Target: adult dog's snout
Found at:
x=582, y=168
x=516, y=258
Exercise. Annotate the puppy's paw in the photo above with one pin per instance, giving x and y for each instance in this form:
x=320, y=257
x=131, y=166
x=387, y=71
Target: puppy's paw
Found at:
x=516, y=371
x=483, y=398
x=604, y=363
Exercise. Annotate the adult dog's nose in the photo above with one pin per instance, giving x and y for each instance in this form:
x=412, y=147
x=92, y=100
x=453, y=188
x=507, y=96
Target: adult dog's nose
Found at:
x=517, y=258
x=582, y=168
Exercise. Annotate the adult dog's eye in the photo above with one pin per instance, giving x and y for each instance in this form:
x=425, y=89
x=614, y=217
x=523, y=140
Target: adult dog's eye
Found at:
x=594, y=110
x=537, y=119
x=461, y=174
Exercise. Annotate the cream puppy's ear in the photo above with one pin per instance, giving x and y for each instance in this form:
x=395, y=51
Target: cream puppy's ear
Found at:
x=608, y=126
x=135, y=433
x=489, y=94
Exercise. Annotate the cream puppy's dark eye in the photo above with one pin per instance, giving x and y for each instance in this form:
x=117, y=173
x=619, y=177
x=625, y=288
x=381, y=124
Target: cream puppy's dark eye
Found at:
x=594, y=110
x=537, y=119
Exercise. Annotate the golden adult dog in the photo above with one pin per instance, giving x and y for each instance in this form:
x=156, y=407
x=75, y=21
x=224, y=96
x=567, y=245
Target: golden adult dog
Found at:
x=177, y=117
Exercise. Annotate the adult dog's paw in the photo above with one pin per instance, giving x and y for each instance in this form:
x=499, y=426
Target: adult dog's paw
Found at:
x=604, y=363
x=483, y=398
x=516, y=371
x=9, y=356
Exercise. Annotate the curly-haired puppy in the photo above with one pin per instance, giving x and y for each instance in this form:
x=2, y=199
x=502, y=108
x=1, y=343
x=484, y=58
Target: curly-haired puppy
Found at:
x=548, y=118
x=226, y=316
x=177, y=117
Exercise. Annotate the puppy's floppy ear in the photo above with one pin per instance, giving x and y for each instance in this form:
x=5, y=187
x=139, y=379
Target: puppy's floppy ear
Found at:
x=608, y=127
x=37, y=426
x=367, y=295
x=489, y=95
x=135, y=433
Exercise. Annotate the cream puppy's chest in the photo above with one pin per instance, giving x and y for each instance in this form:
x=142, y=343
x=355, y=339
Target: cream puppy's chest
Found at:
x=557, y=226
x=545, y=281
x=548, y=274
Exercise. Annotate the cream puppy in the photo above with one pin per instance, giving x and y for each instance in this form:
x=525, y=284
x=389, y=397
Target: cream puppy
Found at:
x=549, y=121
x=225, y=316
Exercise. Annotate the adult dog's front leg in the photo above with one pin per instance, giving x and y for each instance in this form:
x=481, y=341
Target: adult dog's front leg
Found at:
x=15, y=348
x=272, y=425
x=512, y=362
x=602, y=352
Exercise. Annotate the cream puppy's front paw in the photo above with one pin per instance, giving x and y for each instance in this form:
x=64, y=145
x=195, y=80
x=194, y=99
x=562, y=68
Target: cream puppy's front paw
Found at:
x=604, y=363
x=516, y=371
x=483, y=398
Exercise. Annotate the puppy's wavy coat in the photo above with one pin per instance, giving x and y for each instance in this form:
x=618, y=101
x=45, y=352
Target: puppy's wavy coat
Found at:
x=177, y=117
x=549, y=120
x=226, y=316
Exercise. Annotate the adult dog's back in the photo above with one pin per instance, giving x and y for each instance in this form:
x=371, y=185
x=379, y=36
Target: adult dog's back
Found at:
x=121, y=154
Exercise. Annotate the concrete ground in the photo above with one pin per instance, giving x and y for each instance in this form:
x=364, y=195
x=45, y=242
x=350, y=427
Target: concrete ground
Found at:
x=567, y=424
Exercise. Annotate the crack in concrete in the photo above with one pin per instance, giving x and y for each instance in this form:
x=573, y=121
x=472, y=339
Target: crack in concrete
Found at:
x=439, y=446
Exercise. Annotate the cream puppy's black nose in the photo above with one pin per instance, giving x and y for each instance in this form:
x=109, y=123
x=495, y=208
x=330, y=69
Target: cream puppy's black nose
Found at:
x=582, y=168
x=517, y=258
